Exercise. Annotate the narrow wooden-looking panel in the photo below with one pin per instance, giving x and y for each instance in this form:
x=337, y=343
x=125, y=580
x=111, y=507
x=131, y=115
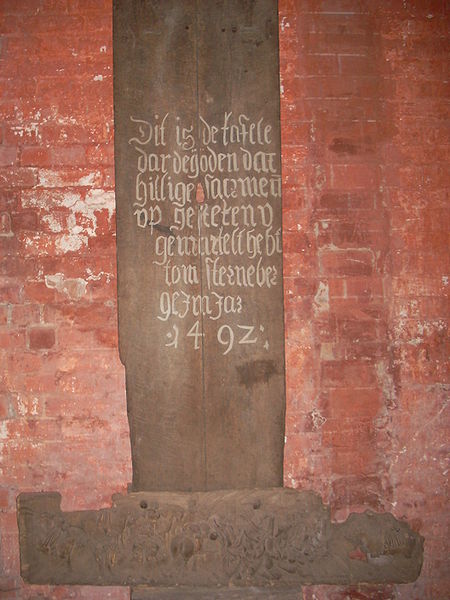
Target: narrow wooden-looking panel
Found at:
x=197, y=143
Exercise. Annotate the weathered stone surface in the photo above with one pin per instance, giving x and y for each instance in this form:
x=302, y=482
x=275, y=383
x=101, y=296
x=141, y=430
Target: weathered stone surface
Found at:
x=198, y=197
x=264, y=538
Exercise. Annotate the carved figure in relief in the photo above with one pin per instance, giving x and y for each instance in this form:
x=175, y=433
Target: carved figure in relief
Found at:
x=275, y=536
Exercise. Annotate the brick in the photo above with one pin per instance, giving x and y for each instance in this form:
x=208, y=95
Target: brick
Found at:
x=12, y=340
x=339, y=23
x=359, y=330
x=296, y=241
x=25, y=221
x=345, y=43
x=358, y=308
x=334, y=6
x=68, y=155
x=20, y=177
x=75, y=405
x=5, y=411
x=357, y=435
x=364, y=491
x=341, y=87
x=346, y=262
x=354, y=176
x=344, y=374
x=41, y=338
x=35, y=156
x=8, y=200
x=295, y=219
x=5, y=313
x=9, y=290
x=325, y=329
x=54, y=6
x=24, y=314
x=362, y=404
x=355, y=462
x=319, y=64
x=8, y=155
x=38, y=292
x=295, y=267
x=364, y=287
x=415, y=307
x=51, y=23
x=35, y=429
x=345, y=200
x=337, y=288
x=348, y=234
x=21, y=8
x=58, y=134
x=363, y=350
x=100, y=154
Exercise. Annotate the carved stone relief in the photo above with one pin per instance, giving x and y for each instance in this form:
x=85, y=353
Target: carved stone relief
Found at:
x=272, y=537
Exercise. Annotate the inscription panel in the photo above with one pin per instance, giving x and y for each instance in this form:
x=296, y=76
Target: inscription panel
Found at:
x=198, y=187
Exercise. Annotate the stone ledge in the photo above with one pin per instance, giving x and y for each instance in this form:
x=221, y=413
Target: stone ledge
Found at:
x=270, y=538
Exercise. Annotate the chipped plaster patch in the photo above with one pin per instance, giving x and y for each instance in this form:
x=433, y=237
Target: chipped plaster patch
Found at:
x=321, y=301
x=100, y=199
x=285, y=24
x=69, y=199
x=49, y=178
x=27, y=408
x=70, y=243
x=386, y=383
x=30, y=130
x=52, y=223
x=88, y=179
x=327, y=351
x=419, y=330
x=65, y=120
x=94, y=201
x=3, y=430
x=92, y=277
x=317, y=419
x=86, y=206
x=73, y=288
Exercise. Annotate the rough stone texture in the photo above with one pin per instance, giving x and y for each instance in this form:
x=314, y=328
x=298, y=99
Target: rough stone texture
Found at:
x=201, y=388
x=364, y=148
x=274, y=538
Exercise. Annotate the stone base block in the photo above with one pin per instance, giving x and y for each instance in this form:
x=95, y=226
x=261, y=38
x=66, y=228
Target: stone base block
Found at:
x=271, y=538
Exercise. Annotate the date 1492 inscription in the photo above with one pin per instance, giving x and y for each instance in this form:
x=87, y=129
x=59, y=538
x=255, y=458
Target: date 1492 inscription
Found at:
x=208, y=195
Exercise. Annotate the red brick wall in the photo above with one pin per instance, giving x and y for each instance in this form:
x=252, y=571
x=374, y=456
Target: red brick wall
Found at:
x=366, y=267
x=365, y=147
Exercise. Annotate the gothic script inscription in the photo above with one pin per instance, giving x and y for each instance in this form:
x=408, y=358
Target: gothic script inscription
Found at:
x=233, y=175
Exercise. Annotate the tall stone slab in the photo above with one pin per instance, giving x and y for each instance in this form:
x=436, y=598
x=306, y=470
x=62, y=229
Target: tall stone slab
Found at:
x=198, y=188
